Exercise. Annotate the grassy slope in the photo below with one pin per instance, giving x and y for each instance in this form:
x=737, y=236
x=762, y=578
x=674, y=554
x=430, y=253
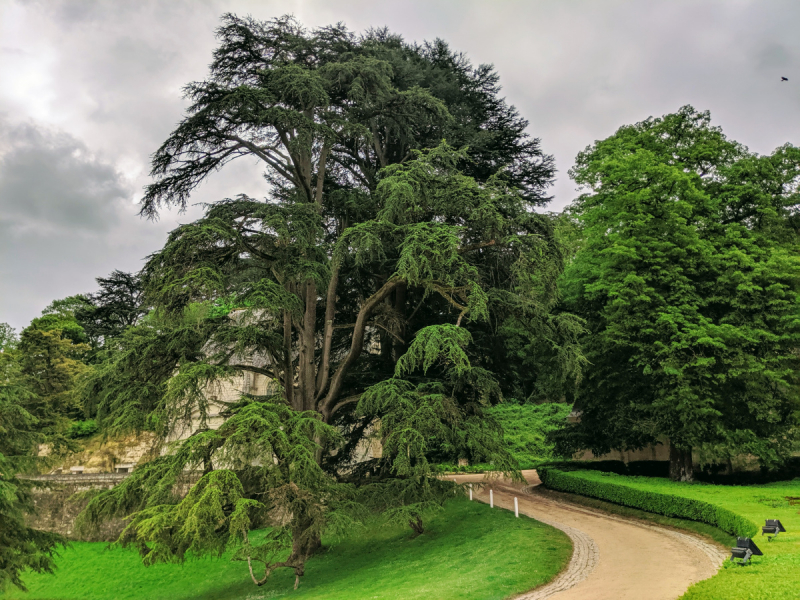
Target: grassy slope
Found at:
x=468, y=552
x=525, y=428
x=774, y=575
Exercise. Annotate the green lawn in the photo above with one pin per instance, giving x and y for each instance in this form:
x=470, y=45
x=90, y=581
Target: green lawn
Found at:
x=469, y=551
x=774, y=575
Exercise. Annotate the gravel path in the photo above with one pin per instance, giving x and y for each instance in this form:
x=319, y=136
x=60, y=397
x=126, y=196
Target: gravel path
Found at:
x=613, y=558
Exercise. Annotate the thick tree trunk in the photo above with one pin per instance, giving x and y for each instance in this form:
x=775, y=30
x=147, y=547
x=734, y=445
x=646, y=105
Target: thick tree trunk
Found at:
x=327, y=405
x=288, y=368
x=680, y=464
x=416, y=525
x=307, y=366
x=323, y=374
x=304, y=546
x=398, y=348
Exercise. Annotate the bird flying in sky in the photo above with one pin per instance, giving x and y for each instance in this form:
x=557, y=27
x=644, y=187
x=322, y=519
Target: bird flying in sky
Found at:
x=784, y=79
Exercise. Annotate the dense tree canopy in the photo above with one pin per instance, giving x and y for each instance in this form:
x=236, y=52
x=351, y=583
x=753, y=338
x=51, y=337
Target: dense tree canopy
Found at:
x=371, y=287
x=687, y=275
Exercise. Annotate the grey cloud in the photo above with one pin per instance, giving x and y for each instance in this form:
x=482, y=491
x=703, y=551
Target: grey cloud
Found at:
x=50, y=181
x=108, y=75
x=775, y=55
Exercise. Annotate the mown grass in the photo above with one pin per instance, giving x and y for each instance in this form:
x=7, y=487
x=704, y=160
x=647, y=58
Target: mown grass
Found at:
x=469, y=551
x=776, y=575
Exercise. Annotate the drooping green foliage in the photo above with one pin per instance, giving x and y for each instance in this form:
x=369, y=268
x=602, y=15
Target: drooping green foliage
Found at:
x=128, y=386
x=258, y=468
x=21, y=547
x=688, y=277
x=368, y=289
x=434, y=404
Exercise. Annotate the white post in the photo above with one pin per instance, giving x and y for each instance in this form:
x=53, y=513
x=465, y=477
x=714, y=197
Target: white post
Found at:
x=491, y=498
x=470, y=491
x=516, y=507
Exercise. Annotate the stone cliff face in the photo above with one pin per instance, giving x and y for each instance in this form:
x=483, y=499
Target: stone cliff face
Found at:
x=104, y=455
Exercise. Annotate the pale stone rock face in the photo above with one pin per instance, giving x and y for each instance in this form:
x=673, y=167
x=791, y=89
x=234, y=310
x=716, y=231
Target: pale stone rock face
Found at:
x=123, y=455
x=225, y=392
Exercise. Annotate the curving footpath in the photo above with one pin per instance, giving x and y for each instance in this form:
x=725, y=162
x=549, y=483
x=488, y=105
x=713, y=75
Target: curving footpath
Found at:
x=613, y=558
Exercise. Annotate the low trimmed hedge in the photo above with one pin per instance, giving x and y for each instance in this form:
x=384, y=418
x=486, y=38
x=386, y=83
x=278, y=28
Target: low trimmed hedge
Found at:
x=663, y=504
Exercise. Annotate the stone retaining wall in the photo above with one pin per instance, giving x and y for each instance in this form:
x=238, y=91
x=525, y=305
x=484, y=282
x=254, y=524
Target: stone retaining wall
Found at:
x=60, y=498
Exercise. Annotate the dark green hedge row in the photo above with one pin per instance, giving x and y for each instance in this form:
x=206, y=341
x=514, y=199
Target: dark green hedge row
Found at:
x=655, y=502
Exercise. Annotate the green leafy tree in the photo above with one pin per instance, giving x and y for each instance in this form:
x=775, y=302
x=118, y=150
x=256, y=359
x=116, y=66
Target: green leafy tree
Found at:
x=359, y=287
x=8, y=337
x=21, y=547
x=60, y=315
x=687, y=275
x=51, y=365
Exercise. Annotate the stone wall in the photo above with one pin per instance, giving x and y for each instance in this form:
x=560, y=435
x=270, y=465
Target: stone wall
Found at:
x=657, y=452
x=59, y=499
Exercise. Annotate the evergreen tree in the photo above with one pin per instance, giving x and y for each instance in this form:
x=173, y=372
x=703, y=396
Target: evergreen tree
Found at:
x=366, y=241
x=21, y=547
x=117, y=305
x=687, y=275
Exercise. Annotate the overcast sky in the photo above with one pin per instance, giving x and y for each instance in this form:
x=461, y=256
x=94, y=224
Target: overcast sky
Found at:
x=88, y=90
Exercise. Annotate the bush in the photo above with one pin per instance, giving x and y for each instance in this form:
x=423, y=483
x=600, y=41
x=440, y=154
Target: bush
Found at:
x=656, y=502
x=82, y=429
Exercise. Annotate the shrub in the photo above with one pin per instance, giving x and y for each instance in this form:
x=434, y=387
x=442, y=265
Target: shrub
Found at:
x=82, y=429
x=656, y=502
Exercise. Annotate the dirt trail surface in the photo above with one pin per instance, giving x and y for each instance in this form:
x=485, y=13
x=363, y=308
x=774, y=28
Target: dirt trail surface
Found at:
x=613, y=558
